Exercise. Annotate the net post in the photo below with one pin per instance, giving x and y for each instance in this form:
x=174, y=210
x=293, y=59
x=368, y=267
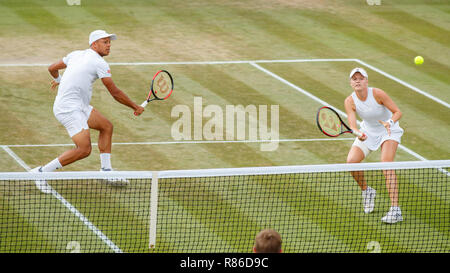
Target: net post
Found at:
x=153, y=210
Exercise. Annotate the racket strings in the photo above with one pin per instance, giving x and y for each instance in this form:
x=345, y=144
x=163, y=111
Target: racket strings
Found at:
x=329, y=122
x=162, y=85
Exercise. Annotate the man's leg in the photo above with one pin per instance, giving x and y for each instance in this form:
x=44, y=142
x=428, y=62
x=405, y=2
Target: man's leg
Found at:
x=98, y=122
x=104, y=126
x=83, y=148
x=82, y=141
x=76, y=125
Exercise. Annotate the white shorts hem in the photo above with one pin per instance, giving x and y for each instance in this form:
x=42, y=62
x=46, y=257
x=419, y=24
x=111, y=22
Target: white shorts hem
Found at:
x=360, y=144
x=75, y=121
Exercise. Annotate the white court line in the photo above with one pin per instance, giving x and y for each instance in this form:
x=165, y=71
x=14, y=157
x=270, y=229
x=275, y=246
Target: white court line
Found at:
x=238, y=62
x=409, y=151
x=16, y=158
x=196, y=63
x=69, y=206
x=188, y=142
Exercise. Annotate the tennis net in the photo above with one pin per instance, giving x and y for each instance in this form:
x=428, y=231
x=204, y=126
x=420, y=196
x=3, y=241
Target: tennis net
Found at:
x=316, y=208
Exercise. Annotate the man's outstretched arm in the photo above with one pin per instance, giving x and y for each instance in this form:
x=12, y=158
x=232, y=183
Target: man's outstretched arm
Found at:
x=120, y=96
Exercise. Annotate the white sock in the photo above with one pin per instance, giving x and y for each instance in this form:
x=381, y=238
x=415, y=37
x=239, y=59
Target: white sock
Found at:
x=396, y=209
x=105, y=160
x=52, y=166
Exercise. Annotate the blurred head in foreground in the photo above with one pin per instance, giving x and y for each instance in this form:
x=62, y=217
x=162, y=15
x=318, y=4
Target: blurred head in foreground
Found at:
x=267, y=241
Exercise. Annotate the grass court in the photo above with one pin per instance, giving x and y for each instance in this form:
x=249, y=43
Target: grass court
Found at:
x=270, y=52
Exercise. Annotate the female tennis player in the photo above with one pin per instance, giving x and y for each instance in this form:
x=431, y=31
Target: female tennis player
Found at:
x=380, y=116
x=72, y=104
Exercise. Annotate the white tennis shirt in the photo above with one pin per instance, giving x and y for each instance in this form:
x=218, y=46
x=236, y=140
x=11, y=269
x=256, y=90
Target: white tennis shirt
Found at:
x=75, y=88
x=371, y=112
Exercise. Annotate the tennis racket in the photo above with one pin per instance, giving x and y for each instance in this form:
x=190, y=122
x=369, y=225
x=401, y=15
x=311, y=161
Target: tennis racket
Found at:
x=331, y=124
x=161, y=87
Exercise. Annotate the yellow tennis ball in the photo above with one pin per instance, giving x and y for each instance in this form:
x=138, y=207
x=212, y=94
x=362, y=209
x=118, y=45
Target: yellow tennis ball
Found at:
x=418, y=60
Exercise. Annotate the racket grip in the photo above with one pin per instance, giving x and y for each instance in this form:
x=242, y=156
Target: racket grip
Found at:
x=358, y=134
x=143, y=105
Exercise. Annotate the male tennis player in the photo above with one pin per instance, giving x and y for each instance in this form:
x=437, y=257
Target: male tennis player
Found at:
x=72, y=104
x=267, y=241
x=381, y=128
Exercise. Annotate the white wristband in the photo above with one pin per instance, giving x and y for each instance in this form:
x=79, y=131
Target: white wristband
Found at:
x=58, y=79
x=391, y=122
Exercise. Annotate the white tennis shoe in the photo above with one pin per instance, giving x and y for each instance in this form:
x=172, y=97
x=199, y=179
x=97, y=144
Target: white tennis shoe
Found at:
x=115, y=181
x=393, y=216
x=369, y=199
x=41, y=184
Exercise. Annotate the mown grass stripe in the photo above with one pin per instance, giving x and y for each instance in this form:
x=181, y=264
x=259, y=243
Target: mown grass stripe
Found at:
x=293, y=36
x=378, y=42
x=37, y=15
x=112, y=14
x=416, y=24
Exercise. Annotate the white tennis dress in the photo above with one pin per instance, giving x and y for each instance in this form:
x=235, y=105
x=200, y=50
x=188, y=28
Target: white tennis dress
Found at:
x=71, y=106
x=371, y=112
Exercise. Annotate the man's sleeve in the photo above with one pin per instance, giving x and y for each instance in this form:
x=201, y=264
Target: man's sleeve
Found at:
x=103, y=70
x=69, y=56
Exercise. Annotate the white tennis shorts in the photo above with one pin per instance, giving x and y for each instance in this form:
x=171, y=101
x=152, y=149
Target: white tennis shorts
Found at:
x=362, y=146
x=75, y=121
x=396, y=136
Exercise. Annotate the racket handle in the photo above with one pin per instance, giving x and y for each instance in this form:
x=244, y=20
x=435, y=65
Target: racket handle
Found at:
x=143, y=105
x=358, y=134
